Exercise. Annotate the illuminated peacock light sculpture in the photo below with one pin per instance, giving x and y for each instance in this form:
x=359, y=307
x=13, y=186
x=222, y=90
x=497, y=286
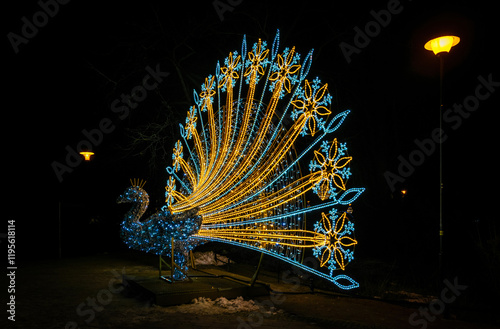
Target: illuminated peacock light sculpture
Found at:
x=236, y=176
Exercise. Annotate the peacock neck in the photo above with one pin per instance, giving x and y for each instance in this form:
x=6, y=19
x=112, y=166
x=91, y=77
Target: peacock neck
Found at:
x=140, y=205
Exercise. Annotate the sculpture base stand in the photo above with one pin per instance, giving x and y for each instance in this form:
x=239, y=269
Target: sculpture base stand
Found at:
x=173, y=266
x=201, y=284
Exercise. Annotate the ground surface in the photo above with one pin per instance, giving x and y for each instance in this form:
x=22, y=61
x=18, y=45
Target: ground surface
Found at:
x=87, y=293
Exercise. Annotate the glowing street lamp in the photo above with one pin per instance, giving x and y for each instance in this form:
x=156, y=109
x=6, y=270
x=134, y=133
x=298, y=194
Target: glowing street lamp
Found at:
x=442, y=44
x=87, y=155
x=439, y=46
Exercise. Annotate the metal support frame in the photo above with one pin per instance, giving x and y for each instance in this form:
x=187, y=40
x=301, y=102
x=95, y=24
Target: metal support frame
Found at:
x=256, y=274
x=172, y=266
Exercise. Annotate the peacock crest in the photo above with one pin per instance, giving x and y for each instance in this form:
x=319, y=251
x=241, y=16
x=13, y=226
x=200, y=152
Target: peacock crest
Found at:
x=239, y=174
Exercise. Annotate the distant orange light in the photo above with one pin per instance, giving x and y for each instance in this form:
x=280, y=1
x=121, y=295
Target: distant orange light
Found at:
x=87, y=155
x=403, y=192
x=442, y=44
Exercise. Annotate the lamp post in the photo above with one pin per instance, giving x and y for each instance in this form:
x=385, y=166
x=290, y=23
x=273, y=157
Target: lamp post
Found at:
x=403, y=193
x=86, y=156
x=440, y=46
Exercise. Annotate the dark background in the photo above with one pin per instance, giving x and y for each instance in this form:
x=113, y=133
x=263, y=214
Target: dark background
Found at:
x=66, y=77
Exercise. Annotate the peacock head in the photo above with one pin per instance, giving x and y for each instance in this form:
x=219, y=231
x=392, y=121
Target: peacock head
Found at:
x=134, y=193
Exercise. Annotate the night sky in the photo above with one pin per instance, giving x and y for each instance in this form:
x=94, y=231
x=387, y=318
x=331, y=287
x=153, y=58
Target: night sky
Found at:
x=65, y=77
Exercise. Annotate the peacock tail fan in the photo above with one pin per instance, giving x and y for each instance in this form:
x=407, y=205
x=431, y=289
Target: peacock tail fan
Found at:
x=238, y=161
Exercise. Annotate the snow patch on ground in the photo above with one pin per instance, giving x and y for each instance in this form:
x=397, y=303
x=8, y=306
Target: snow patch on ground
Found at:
x=210, y=258
x=205, y=306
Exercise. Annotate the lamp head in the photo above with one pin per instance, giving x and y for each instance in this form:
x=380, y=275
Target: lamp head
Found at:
x=87, y=155
x=442, y=44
